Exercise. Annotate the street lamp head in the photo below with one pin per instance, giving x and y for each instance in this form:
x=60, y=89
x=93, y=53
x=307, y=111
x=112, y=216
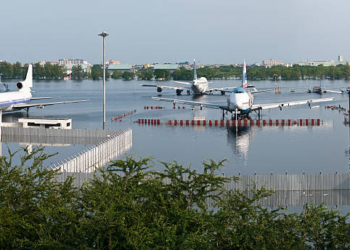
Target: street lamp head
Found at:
x=103, y=34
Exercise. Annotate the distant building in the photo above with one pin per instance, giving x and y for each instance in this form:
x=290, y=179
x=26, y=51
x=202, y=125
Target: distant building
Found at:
x=171, y=67
x=147, y=65
x=68, y=64
x=121, y=68
x=42, y=63
x=270, y=63
x=316, y=63
x=63, y=62
x=113, y=62
x=340, y=58
x=85, y=67
x=183, y=63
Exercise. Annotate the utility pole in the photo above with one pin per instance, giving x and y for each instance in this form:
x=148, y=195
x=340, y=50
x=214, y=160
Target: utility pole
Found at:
x=104, y=34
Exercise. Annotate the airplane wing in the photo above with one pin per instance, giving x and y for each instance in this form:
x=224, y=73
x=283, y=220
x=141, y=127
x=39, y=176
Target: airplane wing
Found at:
x=201, y=104
x=163, y=86
x=186, y=83
x=222, y=89
x=292, y=103
x=335, y=91
x=41, y=98
x=230, y=89
x=42, y=105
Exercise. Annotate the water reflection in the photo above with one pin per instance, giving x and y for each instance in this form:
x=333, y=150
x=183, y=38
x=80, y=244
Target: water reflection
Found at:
x=239, y=139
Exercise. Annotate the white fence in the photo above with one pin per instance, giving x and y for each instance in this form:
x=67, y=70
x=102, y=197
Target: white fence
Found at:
x=294, y=182
x=98, y=155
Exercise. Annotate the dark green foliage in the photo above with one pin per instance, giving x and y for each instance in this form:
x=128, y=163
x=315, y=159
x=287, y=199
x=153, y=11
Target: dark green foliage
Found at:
x=162, y=74
x=127, y=76
x=130, y=206
x=96, y=72
x=77, y=72
x=262, y=73
x=145, y=75
x=48, y=71
x=182, y=74
x=117, y=74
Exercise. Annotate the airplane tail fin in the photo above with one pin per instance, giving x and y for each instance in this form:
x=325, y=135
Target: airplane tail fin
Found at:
x=244, y=76
x=194, y=70
x=28, y=82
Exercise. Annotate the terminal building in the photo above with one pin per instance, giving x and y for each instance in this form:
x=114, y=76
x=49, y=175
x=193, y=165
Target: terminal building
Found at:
x=48, y=123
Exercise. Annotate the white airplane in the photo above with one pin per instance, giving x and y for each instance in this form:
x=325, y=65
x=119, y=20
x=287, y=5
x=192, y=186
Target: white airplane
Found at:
x=241, y=101
x=18, y=100
x=197, y=86
x=321, y=90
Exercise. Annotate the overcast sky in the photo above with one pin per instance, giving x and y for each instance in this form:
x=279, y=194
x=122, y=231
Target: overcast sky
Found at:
x=221, y=31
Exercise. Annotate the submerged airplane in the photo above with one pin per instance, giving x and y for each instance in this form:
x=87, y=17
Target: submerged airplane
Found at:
x=241, y=101
x=18, y=100
x=321, y=90
x=197, y=86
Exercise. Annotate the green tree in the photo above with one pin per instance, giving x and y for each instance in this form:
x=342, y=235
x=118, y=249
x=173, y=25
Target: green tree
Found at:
x=38, y=71
x=146, y=75
x=296, y=74
x=162, y=74
x=117, y=75
x=128, y=205
x=35, y=210
x=6, y=69
x=17, y=70
x=127, y=76
x=346, y=71
x=96, y=72
x=182, y=74
x=77, y=72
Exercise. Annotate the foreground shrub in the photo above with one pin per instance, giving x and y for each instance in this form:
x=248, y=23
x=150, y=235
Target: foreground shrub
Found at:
x=128, y=205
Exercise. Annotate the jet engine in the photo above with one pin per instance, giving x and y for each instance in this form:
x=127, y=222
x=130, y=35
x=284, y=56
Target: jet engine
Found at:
x=19, y=85
x=159, y=89
x=178, y=91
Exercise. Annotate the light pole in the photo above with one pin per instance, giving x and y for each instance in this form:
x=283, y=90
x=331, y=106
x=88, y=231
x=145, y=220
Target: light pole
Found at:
x=104, y=34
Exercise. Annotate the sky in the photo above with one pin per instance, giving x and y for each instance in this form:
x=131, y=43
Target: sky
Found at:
x=162, y=31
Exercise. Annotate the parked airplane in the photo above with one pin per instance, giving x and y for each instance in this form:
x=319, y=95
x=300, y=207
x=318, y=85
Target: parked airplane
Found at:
x=321, y=90
x=18, y=100
x=241, y=101
x=197, y=86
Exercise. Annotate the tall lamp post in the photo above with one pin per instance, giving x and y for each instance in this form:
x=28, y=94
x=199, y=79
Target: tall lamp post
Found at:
x=104, y=34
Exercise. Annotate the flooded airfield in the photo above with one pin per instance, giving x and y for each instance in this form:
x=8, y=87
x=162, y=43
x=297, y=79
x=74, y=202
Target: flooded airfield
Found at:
x=263, y=150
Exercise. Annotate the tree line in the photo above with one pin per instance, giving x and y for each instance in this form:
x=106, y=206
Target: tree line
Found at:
x=256, y=73
x=129, y=205
x=296, y=72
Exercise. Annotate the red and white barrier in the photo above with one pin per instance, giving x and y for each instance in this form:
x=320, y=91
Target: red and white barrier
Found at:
x=153, y=107
x=234, y=123
x=116, y=118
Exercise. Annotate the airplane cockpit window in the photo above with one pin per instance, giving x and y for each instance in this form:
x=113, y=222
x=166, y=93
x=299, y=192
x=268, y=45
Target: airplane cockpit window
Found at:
x=239, y=91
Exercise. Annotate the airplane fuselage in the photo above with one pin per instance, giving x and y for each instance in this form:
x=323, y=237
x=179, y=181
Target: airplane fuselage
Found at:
x=8, y=99
x=318, y=90
x=199, y=86
x=241, y=100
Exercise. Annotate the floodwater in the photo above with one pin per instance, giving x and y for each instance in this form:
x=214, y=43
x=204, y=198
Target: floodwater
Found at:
x=249, y=150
